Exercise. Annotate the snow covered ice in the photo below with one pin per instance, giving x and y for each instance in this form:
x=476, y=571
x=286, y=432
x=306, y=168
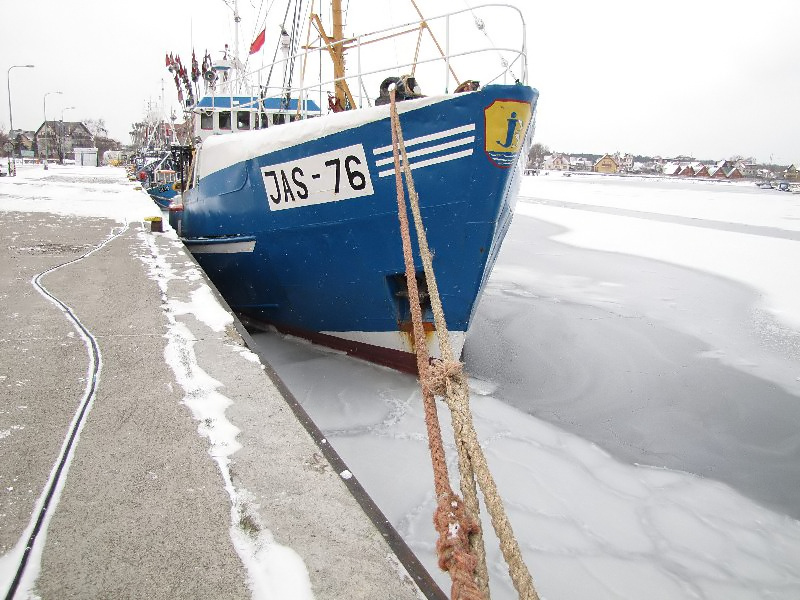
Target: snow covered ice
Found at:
x=634, y=377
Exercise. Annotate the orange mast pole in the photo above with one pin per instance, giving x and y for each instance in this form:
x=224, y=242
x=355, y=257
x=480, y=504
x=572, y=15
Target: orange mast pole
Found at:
x=338, y=52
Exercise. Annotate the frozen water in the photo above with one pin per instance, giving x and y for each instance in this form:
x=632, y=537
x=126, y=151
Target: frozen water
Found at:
x=634, y=385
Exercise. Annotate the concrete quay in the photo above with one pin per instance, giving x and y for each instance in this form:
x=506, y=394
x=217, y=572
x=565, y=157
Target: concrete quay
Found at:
x=145, y=451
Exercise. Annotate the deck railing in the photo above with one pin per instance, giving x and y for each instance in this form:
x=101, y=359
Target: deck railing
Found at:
x=512, y=60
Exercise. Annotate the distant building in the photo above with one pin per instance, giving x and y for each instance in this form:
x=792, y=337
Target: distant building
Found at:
x=700, y=170
x=718, y=171
x=725, y=165
x=792, y=173
x=624, y=162
x=56, y=140
x=686, y=171
x=559, y=162
x=24, y=142
x=733, y=173
x=747, y=169
x=579, y=163
x=85, y=157
x=671, y=168
x=606, y=164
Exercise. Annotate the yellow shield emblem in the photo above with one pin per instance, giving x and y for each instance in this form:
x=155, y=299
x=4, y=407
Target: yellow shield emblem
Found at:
x=506, y=122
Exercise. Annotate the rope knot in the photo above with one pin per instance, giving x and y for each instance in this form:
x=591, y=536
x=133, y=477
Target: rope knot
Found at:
x=454, y=526
x=442, y=375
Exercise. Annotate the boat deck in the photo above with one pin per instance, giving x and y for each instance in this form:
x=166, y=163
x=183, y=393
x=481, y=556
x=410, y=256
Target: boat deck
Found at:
x=174, y=463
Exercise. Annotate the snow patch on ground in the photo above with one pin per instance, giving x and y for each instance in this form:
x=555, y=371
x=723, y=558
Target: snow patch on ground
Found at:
x=29, y=192
x=274, y=570
x=204, y=306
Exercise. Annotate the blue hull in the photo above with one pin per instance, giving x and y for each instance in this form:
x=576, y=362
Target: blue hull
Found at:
x=162, y=194
x=304, y=234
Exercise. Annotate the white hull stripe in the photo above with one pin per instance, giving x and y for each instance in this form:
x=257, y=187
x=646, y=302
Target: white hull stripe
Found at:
x=429, y=162
x=428, y=150
x=428, y=138
x=227, y=248
x=396, y=341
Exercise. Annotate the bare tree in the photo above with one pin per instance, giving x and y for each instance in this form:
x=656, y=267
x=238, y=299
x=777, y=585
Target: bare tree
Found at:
x=97, y=127
x=536, y=156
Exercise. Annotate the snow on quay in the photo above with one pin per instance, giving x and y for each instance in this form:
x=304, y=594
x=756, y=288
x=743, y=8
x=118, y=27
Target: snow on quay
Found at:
x=274, y=570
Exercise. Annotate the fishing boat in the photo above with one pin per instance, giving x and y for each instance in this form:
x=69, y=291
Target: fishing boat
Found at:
x=292, y=210
x=165, y=187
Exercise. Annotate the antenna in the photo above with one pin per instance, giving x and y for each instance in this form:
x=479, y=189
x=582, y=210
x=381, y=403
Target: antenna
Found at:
x=236, y=20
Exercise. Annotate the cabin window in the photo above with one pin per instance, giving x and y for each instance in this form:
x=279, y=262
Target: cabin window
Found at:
x=264, y=120
x=278, y=119
x=243, y=119
x=225, y=119
x=207, y=120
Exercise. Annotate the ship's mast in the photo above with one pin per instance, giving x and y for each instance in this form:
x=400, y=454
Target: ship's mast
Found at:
x=335, y=46
x=338, y=52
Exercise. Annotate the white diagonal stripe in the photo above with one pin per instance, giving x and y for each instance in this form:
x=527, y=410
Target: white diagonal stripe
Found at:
x=430, y=161
x=428, y=138
x=429, y=150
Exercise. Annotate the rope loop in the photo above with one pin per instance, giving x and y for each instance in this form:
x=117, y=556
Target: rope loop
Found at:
x=442, y=376
x=454, y=525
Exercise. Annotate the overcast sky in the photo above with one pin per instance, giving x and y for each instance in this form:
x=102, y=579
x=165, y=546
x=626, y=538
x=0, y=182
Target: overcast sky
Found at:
x=711, y=79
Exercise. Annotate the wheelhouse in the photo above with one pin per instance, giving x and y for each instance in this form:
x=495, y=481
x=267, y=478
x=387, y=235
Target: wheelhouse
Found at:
x=218, y=115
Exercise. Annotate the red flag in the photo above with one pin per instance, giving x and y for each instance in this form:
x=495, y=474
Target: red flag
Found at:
x=258, y=42
x=180, y=91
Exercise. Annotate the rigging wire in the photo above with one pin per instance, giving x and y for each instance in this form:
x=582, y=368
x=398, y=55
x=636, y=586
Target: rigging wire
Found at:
x=480, y=25
x=297, y=31
x=277, y=45
x=230, y=33
x=288, y=72
x=257, y=21
x=256, y=29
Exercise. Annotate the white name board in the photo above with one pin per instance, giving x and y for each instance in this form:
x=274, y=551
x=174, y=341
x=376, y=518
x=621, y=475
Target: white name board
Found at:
x=329, y=177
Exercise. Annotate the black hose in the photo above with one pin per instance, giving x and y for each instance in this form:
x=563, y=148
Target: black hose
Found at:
x=66, y=451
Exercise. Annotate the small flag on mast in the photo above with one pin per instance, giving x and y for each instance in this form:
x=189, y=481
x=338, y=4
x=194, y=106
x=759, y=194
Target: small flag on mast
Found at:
x=258, y=42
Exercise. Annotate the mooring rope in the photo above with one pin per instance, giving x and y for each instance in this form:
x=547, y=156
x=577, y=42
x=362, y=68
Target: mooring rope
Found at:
x=445, y=377
x=451, y=520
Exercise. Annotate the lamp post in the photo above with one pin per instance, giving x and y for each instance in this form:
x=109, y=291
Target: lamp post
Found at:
x=44, y=110
x=10, y=114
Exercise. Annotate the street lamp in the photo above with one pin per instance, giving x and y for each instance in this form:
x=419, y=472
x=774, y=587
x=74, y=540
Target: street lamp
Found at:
x=10, y=114
x=44, y=110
